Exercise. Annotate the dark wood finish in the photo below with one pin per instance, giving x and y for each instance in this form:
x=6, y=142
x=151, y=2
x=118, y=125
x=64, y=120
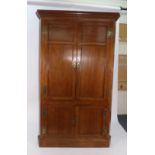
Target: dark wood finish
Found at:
x=76, y=70
x=60, y=121
x=45, y=141
x=92, y=57
x=90, y=121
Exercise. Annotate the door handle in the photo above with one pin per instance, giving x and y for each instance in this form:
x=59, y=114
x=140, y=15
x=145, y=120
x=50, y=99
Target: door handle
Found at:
x=74, y=63
x=78, y=62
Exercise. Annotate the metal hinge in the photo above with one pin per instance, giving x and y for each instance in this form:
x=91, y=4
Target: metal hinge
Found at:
x=109, y=34
x=104, y=130
x=44, y=131
x=44, y=114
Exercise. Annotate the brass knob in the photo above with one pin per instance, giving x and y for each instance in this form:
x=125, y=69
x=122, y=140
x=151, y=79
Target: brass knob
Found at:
x=78, y=62
x=74, y=63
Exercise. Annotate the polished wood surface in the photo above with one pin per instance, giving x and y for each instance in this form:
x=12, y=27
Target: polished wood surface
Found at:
x=90, y=121
x=61, y=75
x=92, y=58
x=60, y=120
x=76, y=69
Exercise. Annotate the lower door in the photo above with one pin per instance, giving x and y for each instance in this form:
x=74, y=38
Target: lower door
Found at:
x=93, y=121
x=60, y=121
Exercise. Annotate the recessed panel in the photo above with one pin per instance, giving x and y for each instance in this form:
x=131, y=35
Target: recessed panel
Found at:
x=60, y=71
x=61, y=33
x=91, y=72
x=60, y=120
x=93, y=33
x=90, y=120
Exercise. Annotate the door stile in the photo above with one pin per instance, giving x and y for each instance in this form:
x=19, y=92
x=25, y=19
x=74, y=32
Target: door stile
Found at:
x=43, y=78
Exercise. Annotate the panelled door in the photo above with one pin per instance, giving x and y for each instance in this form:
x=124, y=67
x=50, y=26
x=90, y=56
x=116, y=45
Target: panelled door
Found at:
x=60, y=57
x=60, y=45
x=91, y=79
x=76, y=58
x=91, y=61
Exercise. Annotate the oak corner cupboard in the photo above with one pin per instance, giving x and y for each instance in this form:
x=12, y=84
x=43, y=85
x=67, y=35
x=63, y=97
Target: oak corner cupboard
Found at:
x=76, y=72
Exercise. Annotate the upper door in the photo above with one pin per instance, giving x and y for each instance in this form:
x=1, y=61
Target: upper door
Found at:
x=76, y=60
x=92, y=59
x=60, y=61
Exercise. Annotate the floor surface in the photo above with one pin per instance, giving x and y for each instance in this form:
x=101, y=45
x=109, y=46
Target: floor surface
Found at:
x=123, y=121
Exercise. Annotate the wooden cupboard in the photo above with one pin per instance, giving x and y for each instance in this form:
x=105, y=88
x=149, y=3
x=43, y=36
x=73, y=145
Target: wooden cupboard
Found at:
x=76, y=72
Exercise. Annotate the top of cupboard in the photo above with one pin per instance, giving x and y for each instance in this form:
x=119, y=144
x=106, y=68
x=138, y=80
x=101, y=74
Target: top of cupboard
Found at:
x=77, y=14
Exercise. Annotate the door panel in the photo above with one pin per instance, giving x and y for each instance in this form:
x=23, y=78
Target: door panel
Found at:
x=92, y=60
x=91, y=72
x=93, y=33
x=90, y=121
x=60, y=120
x=60, y=56
x=60, y=72
x=61, y=32
x=60, y=117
